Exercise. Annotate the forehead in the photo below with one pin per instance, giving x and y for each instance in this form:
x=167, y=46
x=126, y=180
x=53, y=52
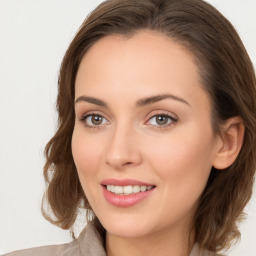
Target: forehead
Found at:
x=150, y=48
x=146, y=63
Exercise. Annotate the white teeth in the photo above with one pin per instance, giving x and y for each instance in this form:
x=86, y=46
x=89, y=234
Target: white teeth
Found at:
x=143, y=188
x=119, y=190
x=136, y=189
x=127, y=190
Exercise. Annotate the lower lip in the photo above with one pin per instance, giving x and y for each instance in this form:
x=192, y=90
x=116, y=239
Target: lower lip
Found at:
x=125, y=200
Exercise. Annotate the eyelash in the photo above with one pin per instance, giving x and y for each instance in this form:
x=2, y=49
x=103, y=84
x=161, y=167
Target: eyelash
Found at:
x=172, y=119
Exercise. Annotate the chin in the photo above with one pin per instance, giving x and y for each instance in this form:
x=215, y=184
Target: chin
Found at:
x=128, y=228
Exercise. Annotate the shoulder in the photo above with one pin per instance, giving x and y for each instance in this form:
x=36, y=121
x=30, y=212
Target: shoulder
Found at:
x=70, y=249
x=89, y=243
x=196, y=251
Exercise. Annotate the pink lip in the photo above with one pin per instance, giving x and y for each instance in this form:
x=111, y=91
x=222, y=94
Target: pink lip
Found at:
x=125, y=200
x=124, y=182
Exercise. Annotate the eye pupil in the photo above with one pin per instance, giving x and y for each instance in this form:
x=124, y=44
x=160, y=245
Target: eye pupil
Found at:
x=96, y=120
x=161, y=120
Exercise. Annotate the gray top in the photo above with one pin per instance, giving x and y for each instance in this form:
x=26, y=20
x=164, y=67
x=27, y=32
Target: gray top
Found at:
x=89, y=243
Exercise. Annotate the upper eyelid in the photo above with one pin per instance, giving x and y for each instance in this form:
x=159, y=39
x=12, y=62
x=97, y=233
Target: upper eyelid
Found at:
x=161, y=112
x=91, y=113
x=152, y=114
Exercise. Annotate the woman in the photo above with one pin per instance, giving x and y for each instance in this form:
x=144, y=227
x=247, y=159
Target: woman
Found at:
x=156, y=136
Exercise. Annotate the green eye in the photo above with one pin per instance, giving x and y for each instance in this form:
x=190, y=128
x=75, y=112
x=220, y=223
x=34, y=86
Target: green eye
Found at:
x=162, y=120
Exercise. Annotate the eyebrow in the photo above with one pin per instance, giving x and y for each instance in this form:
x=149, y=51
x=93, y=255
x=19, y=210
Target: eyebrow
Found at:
x=140, y=103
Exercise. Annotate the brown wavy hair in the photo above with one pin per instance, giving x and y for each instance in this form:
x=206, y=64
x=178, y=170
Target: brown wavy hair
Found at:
x=228, y=77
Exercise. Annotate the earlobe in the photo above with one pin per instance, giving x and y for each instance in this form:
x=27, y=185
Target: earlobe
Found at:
x=232, y=141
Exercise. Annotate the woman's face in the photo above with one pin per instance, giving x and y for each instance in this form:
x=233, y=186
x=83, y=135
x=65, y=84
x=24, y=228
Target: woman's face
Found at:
x=143, y=122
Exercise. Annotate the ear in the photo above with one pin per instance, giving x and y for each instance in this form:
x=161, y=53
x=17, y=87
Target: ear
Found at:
x=232, y=135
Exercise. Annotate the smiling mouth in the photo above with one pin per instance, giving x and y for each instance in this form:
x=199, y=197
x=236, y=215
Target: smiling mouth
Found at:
x=127, y=190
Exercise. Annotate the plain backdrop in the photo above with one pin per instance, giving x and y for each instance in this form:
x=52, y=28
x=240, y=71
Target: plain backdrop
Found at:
x=34, y=36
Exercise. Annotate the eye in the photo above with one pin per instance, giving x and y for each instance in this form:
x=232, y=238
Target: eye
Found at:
x=94, y=120
x=162, y=120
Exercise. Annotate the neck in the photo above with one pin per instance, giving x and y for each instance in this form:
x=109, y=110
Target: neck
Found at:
x=165, y=242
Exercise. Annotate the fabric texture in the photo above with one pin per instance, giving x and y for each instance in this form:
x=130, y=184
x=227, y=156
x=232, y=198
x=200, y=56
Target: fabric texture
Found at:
x=89, y=243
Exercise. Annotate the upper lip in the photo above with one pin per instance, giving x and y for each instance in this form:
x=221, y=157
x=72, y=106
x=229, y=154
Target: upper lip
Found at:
x=124, y=182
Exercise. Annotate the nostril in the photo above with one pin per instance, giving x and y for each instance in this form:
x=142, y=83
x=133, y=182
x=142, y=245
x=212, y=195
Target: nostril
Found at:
x=127, y=163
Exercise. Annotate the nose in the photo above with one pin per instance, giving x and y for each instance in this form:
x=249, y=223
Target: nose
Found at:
x=123, y=150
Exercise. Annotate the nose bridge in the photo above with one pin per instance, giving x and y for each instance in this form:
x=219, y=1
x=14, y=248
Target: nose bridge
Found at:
x=122, y=149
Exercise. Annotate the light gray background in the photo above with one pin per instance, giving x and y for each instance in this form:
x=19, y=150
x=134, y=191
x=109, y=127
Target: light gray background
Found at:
x=33, y=38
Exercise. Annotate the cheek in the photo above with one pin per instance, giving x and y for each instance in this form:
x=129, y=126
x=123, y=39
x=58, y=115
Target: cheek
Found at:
x=87, y=157
x=181, y=157
x=182, y=164
x=183, y=161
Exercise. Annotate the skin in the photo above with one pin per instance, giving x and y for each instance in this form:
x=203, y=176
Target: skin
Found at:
x=130, y=143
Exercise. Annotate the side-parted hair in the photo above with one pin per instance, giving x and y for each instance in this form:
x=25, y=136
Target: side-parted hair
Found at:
x=227, y=76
